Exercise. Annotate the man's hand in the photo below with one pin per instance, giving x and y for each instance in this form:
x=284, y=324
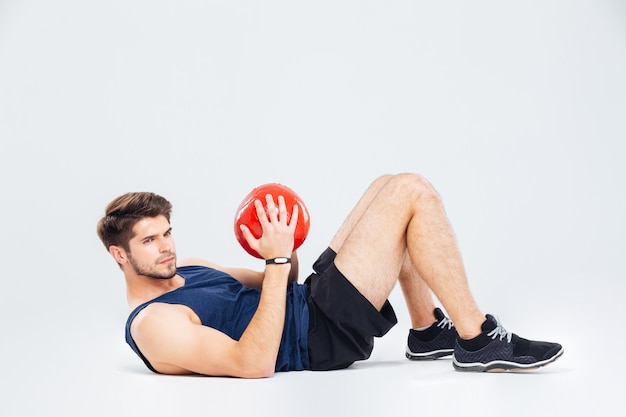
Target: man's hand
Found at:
x=277, y=239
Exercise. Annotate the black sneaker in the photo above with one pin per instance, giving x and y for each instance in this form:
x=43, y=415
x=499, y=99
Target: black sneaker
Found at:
x=495, y=349
x=434, y=342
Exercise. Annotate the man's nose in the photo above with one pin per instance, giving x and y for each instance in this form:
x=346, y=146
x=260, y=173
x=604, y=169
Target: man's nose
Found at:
x=165, y=246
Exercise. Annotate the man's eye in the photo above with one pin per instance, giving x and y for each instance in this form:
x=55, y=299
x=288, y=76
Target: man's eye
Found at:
x=148, y=240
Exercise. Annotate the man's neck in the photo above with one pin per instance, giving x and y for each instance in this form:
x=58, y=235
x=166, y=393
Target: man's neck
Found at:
x=140, y=289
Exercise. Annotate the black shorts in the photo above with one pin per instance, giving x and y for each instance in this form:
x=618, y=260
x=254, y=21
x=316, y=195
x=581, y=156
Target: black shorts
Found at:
x=342, y=322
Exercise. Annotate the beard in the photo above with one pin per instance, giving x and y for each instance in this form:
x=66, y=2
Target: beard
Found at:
x=156, y=270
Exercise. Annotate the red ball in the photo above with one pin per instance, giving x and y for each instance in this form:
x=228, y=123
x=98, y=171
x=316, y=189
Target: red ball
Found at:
x=246, y=214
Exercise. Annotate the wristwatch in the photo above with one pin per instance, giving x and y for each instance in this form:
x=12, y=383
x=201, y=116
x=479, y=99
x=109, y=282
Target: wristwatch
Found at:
x=278, y=261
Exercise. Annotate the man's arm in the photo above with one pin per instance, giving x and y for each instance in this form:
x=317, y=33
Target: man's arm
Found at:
x=255, y=279
x=247, y=277
x=174, y=342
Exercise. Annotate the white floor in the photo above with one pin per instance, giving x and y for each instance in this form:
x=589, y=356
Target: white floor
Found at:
x=80, y=371
x=513, y=110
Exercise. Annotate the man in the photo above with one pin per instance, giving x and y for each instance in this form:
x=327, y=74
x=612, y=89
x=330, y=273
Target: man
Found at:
x=196, y=317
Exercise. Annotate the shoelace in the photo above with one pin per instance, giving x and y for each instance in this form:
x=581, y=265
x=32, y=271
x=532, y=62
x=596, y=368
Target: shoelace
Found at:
x=500, y=331
x=445, y=322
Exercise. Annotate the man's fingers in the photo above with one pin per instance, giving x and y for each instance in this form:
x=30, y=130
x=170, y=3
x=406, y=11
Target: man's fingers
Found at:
x=294, y=216
x=247, y=234
x=282, y=209
x=272, y=210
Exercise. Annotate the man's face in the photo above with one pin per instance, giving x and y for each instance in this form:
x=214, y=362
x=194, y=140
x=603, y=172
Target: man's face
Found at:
x=152, y=251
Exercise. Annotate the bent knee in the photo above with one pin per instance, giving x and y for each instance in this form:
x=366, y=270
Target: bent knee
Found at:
x=416, y=185
x=383, y=179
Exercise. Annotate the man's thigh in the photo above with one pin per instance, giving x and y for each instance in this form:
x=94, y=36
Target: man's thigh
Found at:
x=372, y=253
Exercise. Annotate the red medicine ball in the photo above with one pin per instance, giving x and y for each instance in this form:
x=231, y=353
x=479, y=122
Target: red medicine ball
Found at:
x=246, y=214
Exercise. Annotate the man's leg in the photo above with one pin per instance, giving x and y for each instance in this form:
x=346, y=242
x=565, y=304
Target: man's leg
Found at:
x=432, y=335
x=404, y=214
x=416, y=292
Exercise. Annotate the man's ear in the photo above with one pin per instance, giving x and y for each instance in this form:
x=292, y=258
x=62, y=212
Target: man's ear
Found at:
x=118, y=254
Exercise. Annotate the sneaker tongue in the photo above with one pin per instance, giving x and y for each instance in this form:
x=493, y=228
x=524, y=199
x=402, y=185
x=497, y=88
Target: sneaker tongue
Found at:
x=439, y=314
x=489, y=324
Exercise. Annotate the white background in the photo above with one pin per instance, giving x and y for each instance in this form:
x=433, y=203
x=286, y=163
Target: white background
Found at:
x=515, y=111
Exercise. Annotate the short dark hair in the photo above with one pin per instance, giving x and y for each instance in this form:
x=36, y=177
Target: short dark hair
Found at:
x=121, y=215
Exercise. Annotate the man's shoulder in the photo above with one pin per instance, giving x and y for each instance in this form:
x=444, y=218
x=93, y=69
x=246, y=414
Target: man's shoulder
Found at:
x=158, y=313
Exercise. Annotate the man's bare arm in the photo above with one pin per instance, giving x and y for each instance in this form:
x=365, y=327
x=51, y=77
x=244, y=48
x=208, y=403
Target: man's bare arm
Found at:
x=174, y=342
x=247, y=277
